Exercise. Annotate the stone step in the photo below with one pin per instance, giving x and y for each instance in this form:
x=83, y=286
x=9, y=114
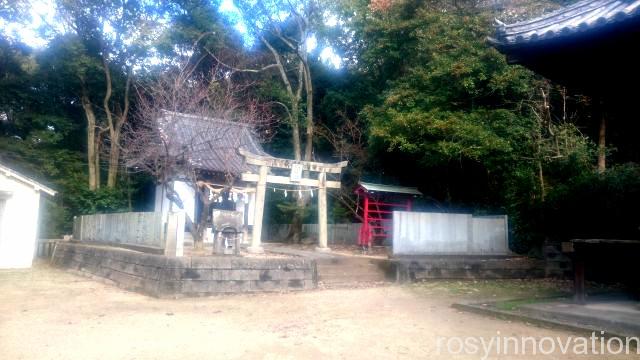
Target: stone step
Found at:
x=350, y=284
x=348, y=280
x=347, y=271
x=350, y=270
x=352, y=274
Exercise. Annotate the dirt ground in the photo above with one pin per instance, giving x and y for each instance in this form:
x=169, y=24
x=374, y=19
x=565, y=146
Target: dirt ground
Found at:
x=47, y=313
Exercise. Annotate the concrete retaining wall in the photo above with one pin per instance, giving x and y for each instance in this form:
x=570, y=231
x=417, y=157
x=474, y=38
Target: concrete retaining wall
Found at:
x=558, y=264
x=468, y=267
x=164, y=276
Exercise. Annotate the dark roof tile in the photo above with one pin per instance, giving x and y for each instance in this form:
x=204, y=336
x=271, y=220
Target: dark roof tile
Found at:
x=581, y=16
x=212, y=144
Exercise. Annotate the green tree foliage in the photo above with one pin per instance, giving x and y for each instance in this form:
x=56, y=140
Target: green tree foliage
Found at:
x=40, y=126
x=451, y=97
x=446, y=112
x=196, y=25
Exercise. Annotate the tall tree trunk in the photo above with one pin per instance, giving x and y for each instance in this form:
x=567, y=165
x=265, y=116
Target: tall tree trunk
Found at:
x=112, y=169
x=114, y=160
x=303, y=80
x=294, y=97
x=96, y=157
x=602, y=144
x=295, y=232
x=308, y=152
x=91, y=138
x=129, y=192
x=540, y=156
x=295, y=130
x=200, y=226
x=114, y=123
x=543, y=188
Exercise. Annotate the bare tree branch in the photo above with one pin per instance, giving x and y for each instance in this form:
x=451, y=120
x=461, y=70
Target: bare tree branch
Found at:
x=153, y=147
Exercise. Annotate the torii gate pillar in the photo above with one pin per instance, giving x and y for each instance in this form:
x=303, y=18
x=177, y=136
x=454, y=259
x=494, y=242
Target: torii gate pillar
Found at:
x=322, y=213
x=256, y=236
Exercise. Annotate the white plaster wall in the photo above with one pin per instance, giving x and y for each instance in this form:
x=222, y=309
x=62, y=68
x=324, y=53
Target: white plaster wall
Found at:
x=18, y=224
x=162, y=204
x=187, y=195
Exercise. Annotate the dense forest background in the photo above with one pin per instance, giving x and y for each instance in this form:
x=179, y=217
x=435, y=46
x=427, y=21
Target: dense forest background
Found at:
x=410, y=92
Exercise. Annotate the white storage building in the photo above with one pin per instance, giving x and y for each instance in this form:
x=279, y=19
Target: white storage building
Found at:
x=19, y=210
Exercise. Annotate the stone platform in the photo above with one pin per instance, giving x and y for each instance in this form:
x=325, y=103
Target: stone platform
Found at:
x=346, y=267
x=167, y=277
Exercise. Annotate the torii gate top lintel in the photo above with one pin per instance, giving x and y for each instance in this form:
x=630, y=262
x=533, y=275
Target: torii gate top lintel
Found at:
x=266, y=162
x=260, y=160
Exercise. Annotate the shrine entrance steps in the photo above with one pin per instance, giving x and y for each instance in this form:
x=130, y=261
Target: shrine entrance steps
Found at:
x=343, y=271
x=340, y=270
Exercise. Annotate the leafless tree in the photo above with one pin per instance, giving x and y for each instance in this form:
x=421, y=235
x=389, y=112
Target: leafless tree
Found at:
x=283, y=28
x=554, y=135
x=154, y=144
x=349, y=143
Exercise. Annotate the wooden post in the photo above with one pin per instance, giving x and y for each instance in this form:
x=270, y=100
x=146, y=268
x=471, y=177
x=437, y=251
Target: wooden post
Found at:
x=602, y=135
x=256, y=244
x=81, y=228
x=579, y=293
x=174, y=237
x=364, y=241
x=322, y=213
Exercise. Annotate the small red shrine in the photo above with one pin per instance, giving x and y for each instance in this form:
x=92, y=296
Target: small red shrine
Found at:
x=378, y=203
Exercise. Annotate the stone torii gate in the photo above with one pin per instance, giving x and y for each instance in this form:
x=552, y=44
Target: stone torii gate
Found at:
x=297, y=171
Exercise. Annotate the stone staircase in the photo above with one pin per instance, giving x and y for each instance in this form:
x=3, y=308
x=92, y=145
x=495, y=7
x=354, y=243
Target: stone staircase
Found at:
x=347, y=271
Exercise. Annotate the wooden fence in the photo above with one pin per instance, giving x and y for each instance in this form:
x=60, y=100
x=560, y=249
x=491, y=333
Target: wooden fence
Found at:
x=139, y=229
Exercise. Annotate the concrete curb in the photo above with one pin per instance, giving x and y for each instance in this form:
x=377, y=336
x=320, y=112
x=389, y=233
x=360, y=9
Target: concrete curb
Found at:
x=537, y=321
